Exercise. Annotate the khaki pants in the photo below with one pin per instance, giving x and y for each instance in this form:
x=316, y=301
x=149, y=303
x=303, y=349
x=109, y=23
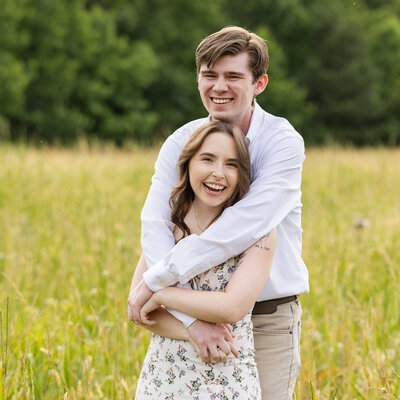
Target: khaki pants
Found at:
x=277, y=344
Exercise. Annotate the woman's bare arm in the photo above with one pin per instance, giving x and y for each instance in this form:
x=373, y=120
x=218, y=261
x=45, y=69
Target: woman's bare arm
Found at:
x=165, y=323
x=230, y=306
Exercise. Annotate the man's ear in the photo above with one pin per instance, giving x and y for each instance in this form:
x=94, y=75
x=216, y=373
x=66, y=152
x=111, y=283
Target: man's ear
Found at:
x=261, y=84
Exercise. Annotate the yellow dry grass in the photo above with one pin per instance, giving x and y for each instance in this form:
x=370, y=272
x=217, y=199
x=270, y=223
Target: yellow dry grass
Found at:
x=69, y=241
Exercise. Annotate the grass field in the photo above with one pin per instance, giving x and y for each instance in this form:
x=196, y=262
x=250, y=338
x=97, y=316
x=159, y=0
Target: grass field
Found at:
x=69, y=241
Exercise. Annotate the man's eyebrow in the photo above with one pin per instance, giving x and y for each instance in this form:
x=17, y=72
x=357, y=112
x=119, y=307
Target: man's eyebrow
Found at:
x=207, y=71
x=210, y=71
x=234, y=73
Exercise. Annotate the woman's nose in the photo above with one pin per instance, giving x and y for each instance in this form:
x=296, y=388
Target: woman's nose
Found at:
x=218, y=172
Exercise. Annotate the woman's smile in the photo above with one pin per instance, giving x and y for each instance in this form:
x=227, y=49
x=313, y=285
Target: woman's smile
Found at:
x=214, y=188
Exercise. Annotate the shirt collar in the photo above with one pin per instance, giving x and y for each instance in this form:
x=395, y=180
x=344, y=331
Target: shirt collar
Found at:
x=255, y=123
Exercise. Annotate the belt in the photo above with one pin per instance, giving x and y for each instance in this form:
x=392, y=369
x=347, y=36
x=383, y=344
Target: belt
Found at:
x=270, y=306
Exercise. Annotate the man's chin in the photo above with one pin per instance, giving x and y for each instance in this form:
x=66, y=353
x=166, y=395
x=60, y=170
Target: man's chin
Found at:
x=221, y=117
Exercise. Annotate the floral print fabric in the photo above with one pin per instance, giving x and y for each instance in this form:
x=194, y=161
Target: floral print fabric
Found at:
x=172, y=370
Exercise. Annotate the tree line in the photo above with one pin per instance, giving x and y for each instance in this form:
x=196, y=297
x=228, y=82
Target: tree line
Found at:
x=124, y=70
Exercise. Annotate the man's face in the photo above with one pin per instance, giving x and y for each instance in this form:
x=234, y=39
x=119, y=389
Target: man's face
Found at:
x=227, y=89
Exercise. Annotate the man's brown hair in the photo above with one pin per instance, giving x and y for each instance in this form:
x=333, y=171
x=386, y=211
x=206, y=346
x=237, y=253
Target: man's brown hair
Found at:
x=233, y=40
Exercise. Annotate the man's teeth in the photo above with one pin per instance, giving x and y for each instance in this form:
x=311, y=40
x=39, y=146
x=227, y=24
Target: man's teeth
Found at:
x=214, y=187
x=221, y=101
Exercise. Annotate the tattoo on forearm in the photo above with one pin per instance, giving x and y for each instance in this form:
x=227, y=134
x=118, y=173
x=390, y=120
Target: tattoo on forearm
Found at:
x=262, y=243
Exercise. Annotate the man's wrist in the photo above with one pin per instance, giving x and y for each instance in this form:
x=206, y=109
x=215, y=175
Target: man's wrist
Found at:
x=158, y=277
x=189, y=323
x=186, y=320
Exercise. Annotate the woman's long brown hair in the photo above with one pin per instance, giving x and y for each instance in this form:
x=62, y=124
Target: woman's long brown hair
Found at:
x=182, y=194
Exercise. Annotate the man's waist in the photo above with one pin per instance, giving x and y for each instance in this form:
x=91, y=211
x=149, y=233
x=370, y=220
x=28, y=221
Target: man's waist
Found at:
x=270, y=306
x=278, y=286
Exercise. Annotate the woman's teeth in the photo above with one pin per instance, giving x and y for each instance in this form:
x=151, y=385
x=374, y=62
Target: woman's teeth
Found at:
x=213, y=187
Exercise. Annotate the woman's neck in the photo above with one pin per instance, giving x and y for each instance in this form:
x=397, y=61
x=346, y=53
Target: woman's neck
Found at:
x=198, y=219
x=202, y=216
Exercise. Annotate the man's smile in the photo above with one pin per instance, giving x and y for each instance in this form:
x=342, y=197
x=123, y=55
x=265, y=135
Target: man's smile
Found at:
x=217, y=100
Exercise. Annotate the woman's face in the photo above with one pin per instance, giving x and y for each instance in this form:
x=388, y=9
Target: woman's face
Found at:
x=213, y=170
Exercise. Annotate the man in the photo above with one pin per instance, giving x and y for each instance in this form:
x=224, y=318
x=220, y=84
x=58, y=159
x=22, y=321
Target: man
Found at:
x=231, y=72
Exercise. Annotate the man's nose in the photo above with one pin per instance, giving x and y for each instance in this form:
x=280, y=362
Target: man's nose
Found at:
x=220, y=84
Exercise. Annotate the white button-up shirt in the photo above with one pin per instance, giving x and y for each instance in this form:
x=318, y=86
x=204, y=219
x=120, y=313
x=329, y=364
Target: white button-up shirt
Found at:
x=274, y=200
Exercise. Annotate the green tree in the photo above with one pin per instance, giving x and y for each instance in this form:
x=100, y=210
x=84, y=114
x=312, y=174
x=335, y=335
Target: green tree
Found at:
x=173, y=29
x=283, y=95
x=119, y=70
x=83, y=76
x=338, y=74
x=14, y=77
x=112, y=77
x=384, y=32
x=328, y=60
x=283, y=25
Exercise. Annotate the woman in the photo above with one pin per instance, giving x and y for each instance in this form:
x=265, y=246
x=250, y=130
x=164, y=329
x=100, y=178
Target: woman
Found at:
x=214, y=173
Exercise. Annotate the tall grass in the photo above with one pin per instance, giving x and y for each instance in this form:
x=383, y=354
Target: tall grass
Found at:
x=69, y=241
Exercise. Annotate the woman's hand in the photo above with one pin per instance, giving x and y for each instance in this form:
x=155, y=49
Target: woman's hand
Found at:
x=150, y=305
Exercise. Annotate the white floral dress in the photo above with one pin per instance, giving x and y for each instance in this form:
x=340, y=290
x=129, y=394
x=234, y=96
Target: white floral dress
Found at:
x=172, y=370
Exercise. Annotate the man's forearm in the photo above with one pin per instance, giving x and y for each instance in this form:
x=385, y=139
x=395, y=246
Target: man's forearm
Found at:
x=141, y=267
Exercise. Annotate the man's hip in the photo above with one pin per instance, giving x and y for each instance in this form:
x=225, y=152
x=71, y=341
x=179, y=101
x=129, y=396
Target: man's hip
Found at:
x=277, y=345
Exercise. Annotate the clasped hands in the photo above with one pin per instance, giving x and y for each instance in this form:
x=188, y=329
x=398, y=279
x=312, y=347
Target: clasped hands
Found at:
x=213, y=342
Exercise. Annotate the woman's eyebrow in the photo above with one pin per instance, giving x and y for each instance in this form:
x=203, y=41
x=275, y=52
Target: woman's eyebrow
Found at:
x=207, y=154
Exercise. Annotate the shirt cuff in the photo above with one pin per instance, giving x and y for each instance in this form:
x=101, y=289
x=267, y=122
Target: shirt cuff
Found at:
x=186, y=320
x=158, y=277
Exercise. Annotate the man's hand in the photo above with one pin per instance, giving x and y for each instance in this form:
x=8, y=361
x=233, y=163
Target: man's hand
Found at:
x=213, y=342
x=136, y=299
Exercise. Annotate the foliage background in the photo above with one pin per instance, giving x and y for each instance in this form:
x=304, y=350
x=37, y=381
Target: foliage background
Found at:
x=124, y=70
